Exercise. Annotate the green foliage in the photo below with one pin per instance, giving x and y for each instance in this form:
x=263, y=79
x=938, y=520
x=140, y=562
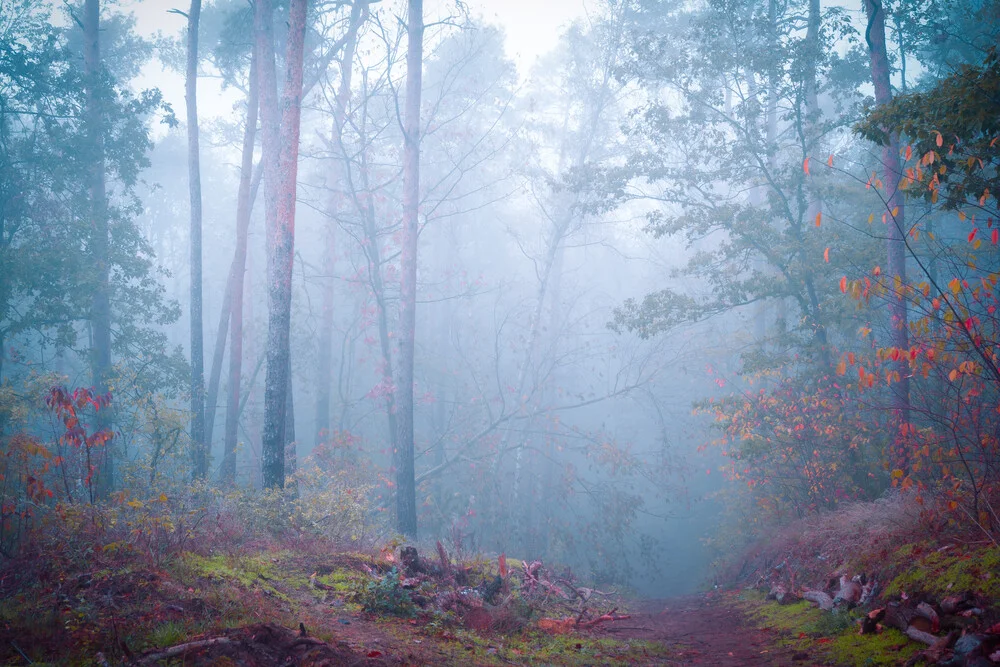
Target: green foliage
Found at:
x=386, y=596
x=959, y=111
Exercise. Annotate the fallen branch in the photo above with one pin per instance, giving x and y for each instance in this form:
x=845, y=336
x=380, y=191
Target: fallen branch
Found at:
x=181, y=649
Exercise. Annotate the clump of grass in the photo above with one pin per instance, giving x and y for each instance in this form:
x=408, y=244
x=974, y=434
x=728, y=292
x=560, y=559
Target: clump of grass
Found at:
x=169, y=633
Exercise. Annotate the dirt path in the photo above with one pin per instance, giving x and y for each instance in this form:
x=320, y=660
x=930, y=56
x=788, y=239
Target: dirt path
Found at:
x=704, y=630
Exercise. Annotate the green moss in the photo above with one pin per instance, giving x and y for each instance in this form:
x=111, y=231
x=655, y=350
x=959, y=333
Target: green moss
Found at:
x=343, y=580
x=257, y=571
x=946, y=572
x=829, y=636
x=891, y=647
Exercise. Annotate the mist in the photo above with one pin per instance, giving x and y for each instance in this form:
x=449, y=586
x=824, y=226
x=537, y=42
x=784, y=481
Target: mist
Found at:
x=602, y=289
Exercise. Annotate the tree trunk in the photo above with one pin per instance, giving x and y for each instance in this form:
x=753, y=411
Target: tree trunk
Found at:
x=199, y=445
x=324, y=366
x=896, y=247
x=291, y=455
x=281, y=150
x=244, y=207
x=406, y=492
x=100, y=314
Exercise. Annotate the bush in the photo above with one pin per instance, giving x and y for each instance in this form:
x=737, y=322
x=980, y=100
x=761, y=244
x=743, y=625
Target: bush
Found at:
x=386, y=596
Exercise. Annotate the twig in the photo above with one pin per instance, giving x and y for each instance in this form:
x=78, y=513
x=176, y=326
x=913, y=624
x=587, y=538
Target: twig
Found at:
x=180, y=649
x=18, y=649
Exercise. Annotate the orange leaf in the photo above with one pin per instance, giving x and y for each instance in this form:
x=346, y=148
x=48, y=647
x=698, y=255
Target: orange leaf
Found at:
x=940, y=140
x=805, y=166
x=826, y=253
x=909, y=152
x=819, y=217
x=829, y=161
x=843, y=285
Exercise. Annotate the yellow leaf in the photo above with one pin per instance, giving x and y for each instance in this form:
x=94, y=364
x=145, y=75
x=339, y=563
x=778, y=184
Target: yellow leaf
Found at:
x=955, y=285
x=163, y=498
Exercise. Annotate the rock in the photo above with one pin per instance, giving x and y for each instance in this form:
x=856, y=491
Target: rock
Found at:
x=967, y=644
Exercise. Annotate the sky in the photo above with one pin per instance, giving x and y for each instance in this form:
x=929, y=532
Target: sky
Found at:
x=532, y=28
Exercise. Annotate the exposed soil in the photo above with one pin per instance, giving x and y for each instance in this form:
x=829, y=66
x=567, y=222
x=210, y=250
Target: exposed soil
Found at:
x=696, y=630
x=706, y=630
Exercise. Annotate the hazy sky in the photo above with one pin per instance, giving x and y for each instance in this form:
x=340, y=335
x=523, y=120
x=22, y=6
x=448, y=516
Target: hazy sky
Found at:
x=532, y=27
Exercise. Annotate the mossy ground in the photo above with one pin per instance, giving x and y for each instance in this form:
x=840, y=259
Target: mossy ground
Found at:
x=941, y=571
x=831, y=637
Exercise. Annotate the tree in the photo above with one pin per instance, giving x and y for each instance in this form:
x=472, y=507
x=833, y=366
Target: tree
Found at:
x=324, y=366
x=281, y=149
x=406, y=492
x=100, y=238
x=896, y=229
x=243, y=210
x=199, y=442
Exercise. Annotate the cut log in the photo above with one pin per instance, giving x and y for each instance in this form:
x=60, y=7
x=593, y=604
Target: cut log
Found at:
x=919, y=635
x=927, y=612
x=824, y=601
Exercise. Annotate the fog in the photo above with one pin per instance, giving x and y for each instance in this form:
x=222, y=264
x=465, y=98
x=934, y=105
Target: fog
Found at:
x=615, y=233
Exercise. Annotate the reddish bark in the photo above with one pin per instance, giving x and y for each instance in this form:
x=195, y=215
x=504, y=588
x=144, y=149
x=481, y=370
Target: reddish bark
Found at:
x=244, y=206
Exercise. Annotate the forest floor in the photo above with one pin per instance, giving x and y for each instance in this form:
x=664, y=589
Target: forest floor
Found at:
x=271, y=607
x=80, y=593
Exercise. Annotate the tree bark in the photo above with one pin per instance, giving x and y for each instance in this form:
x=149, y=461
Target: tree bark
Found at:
x=324, y=366
x=244, y=207
x=406, y=493
x=896, y=246
x=199, y=444
x=100, y=314
x=281, y=150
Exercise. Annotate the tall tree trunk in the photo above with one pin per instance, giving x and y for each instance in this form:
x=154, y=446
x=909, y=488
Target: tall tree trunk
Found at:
x=324, y=365
x=291, y=445
x=896, y=247
x=100, y=314
x=281, y=152
x=244, y=207
x=406, y=492
x=198, y=443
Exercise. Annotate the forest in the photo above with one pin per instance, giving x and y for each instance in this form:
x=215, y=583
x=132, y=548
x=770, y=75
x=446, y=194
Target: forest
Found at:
x=474, y=332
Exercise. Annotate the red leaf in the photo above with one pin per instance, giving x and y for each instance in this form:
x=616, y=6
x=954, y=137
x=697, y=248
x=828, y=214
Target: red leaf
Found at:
x=374, y=654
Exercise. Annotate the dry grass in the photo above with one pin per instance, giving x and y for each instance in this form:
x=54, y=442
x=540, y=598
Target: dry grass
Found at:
x=857, y=537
